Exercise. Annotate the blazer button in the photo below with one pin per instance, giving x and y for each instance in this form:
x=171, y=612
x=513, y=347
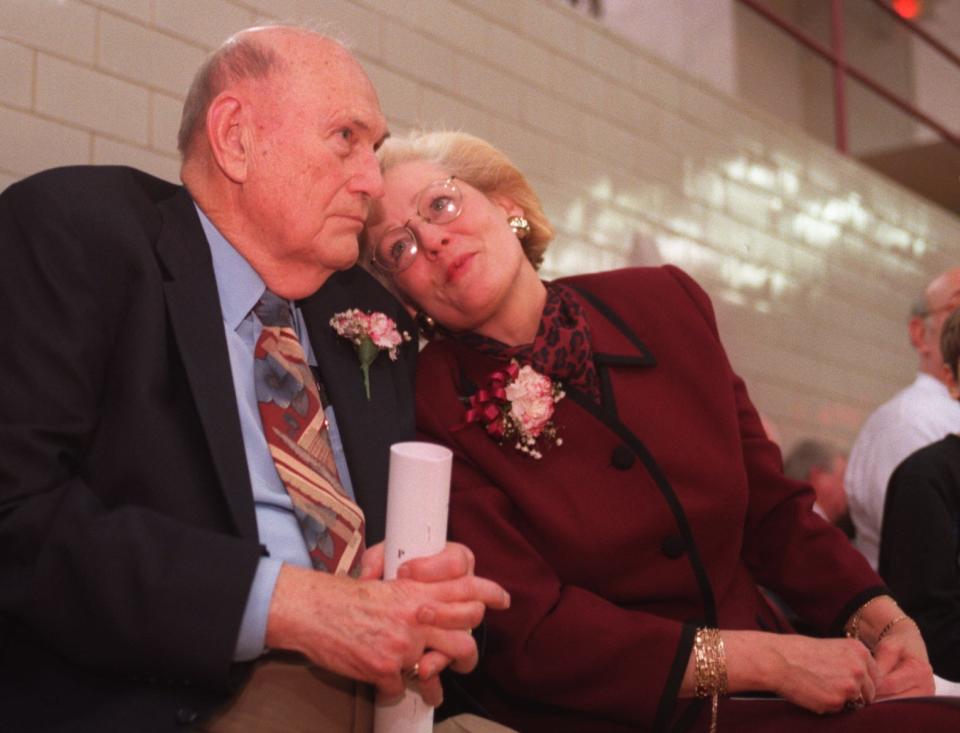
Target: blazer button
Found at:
x=622, y=458
x=673, y=546
x=186, y=716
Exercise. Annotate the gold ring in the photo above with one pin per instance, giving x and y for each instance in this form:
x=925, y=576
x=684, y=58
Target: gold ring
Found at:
x=412, y=673
x=856, y=703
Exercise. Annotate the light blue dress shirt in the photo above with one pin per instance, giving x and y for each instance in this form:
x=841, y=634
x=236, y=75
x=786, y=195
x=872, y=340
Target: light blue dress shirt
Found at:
x=240, y=287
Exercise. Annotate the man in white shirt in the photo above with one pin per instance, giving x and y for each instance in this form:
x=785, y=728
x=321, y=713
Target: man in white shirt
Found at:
x=916, y=416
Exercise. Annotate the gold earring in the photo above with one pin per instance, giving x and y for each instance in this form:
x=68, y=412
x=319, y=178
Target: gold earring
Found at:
x=520, y=226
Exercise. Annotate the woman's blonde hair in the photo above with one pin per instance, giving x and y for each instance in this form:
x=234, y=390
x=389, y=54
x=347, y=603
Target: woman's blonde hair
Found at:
x=478, y=163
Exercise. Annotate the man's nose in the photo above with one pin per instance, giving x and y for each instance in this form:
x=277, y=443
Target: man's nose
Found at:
x=367, y=178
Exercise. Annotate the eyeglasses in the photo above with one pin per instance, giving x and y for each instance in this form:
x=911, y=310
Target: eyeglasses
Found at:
x=439, y=203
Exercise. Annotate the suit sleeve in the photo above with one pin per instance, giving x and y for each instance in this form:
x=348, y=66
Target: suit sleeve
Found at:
x=918, y=558
x=787, y=546
x=559, y=643
x=107, y=582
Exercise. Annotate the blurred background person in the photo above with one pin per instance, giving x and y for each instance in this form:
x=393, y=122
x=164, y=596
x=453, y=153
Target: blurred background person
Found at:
x=916, y=416
x=822, y=465
x=920, y=541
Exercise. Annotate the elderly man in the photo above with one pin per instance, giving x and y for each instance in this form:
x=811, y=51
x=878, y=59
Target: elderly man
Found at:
x=913, y=418
x=822, y=465
x=183, y=508
x=919, y=545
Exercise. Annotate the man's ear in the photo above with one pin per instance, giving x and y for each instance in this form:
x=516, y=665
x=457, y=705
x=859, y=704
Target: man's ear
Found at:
x=950, y=381
x=917, y=330
x=227, y=136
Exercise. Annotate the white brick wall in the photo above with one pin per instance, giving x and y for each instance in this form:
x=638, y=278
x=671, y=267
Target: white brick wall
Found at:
x=30, y=143
x=810, y=258
x=206, y=22
x=360, y=26
x=72, y=93
x=16, y=82
x=152, y=58
x=67, y=27
x=165, y=121
x=114, y=152
x=133, y=9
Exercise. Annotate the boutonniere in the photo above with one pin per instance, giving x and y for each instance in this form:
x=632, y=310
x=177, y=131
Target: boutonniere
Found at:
x=517, y=404
x=370, y=333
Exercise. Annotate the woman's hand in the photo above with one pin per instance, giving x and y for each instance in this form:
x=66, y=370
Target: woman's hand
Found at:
x=901, y=654
x=903, y=665
x=824, y=675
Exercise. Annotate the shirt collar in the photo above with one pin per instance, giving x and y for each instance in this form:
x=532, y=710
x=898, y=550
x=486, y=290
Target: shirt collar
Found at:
x=238, y=284
x=931, y=384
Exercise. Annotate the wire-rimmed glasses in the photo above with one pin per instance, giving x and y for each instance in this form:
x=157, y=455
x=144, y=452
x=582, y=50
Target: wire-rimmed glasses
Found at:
x=439, y=203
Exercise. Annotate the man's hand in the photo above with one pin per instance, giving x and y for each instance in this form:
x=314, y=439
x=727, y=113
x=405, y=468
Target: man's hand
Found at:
x=372, y=630
x=454, y=561
x=371, y=563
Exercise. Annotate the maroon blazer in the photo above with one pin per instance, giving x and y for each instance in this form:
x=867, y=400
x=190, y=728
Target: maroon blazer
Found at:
x=662, y=510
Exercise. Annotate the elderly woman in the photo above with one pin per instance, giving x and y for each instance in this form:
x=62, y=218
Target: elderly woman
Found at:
x=611, y=472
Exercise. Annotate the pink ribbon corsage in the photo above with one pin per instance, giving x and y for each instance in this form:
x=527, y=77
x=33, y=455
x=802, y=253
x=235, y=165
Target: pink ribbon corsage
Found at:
x=517, y=404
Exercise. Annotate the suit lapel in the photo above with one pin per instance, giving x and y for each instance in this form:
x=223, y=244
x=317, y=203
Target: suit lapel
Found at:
x=194, y=308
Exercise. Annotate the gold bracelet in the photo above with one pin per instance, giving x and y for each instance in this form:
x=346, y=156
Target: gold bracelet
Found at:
x=853, y=625
x=710, y=667
x=890, y=624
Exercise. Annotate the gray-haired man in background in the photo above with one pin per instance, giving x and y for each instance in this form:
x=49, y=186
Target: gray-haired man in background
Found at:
x=914, y=417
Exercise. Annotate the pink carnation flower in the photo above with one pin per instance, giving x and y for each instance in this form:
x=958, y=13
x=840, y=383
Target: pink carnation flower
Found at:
x=517, y=404
x=383, y=333
x=531, y=401
x=370, y=334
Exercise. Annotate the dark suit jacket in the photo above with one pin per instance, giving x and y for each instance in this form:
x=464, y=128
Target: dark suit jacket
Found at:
x=920, y=547
x=662, y=510
x=128, y=538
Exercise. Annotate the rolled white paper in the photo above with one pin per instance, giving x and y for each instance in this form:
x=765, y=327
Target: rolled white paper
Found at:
x=418, y=501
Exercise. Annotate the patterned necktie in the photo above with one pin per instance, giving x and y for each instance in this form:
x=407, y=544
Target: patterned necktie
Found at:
x=296, y=431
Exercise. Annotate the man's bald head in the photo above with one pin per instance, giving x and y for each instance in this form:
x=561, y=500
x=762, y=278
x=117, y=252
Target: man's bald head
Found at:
x=929, y=312
x=254, y=53
x=279, y=138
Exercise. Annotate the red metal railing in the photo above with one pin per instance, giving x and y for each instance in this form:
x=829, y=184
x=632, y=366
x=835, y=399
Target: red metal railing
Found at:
x=842, y=68
x=919, y=33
